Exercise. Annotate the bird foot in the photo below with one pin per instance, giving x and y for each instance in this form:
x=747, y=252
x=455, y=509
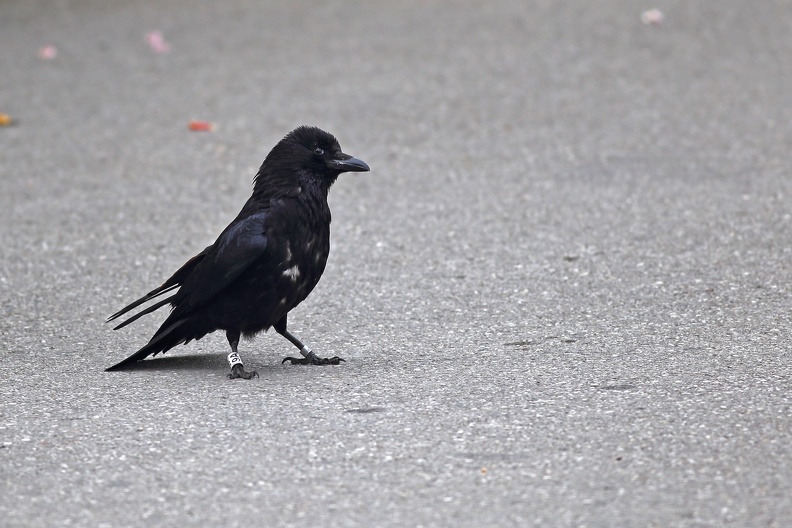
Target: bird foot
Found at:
x=313, y=359
x=238, y=371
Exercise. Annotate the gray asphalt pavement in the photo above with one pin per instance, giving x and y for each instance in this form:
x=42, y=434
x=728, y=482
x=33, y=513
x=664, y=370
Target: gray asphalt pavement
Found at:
x=563, y=291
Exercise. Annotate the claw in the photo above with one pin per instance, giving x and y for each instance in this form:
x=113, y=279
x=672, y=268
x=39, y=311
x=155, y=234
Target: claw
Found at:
x=313, y=360
x=238, y=371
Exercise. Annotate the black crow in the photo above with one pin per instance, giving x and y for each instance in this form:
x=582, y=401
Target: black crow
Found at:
x=264, y=263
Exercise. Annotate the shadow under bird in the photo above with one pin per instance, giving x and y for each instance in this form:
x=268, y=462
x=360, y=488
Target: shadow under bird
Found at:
x=264, y=263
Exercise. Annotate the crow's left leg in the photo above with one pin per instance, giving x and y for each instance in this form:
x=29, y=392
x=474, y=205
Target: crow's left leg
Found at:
x=309, y=357
x=237, y=368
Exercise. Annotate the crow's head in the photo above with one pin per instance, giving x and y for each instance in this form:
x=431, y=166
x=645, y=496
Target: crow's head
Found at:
x=307, y=152
x=320, y=151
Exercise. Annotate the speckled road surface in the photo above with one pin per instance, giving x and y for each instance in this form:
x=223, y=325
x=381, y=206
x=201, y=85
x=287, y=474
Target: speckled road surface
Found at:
x=563, y=290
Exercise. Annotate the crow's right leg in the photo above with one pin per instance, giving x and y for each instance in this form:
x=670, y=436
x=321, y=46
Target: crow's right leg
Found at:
x=309, y=356
x=237, y=368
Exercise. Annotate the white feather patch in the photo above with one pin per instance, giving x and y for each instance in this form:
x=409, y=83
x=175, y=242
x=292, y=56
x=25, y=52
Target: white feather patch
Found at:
x=293, y=273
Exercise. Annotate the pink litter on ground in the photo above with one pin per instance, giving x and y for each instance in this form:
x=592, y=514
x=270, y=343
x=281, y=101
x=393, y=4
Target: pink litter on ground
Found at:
x=157, y=42
x=47, y=52
x=652, y=17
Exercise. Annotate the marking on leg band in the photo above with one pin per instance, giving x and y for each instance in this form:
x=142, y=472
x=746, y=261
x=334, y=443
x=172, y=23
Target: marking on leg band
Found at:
x=233, y=359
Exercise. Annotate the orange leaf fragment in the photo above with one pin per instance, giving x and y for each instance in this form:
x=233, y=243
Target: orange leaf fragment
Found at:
x=200, y=126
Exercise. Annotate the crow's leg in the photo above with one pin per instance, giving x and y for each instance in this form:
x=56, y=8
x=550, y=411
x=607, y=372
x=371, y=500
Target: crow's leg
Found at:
x=237, y=369
x=310, y=358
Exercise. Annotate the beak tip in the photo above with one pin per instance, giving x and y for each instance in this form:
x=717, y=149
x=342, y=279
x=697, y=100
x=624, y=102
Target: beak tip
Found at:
x=350, y=165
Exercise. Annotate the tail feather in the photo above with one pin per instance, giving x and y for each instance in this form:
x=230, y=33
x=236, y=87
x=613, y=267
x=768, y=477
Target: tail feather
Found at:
x=176, y=280
x=165, y=288
x=170, y=333
x=162, y=341
x=148, y=310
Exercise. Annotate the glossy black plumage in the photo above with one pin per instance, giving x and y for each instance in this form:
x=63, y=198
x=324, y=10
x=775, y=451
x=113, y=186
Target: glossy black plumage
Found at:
x=265, y=262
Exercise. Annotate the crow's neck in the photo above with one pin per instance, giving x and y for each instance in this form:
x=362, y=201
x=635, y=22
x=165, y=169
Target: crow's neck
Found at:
x=308, y=190
x=312, y=198
x=282, y=184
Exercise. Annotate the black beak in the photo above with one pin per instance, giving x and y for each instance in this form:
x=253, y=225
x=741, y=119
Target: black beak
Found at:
x=346, y=163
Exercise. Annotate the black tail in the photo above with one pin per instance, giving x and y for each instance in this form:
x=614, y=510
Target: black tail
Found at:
x=162, y=341
x=148, y=310
x=170, y=333
x=176, y=280
x=150, y=295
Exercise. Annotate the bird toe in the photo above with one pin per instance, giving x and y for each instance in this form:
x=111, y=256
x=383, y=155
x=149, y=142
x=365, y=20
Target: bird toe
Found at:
x=313, y=360
x=237, y=371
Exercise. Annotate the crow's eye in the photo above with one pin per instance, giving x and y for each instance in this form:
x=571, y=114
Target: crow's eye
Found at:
x=318, y=151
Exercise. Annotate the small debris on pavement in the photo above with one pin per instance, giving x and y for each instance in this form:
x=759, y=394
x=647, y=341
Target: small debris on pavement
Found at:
x=157, y=42
x=47, y=52
x=201, y=126
x=652, y=17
